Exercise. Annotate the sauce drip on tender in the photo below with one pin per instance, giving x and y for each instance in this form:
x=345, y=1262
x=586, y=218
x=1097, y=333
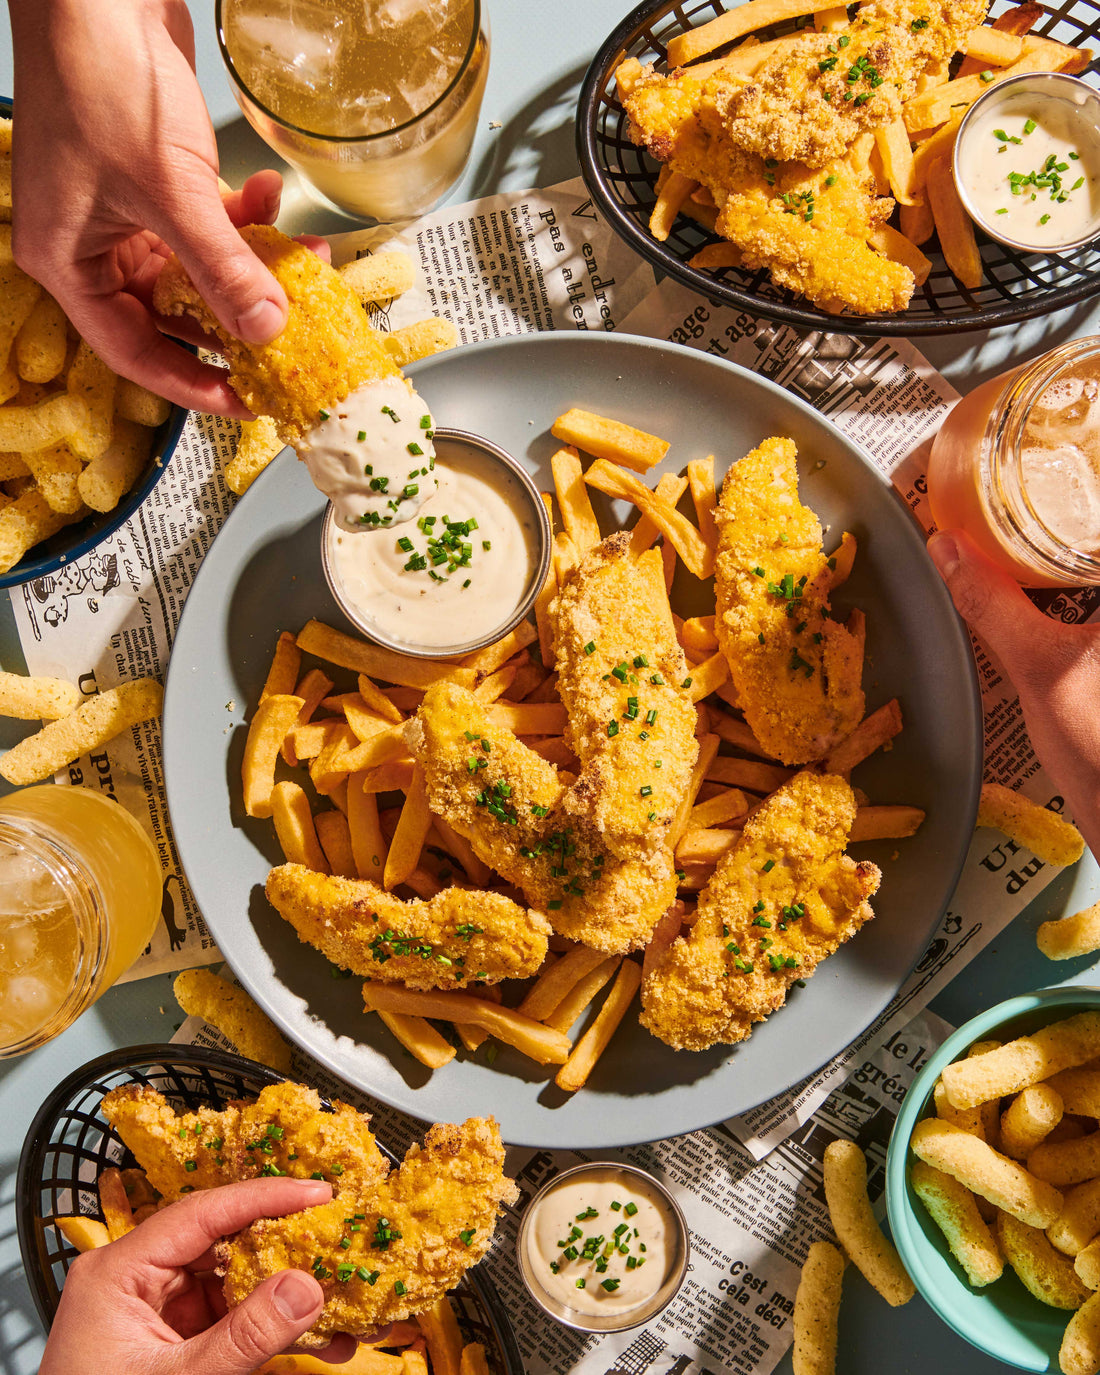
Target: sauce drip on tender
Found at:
x=1031, y=166
x=372, y=456
x=456, y=573
x=614, y=1258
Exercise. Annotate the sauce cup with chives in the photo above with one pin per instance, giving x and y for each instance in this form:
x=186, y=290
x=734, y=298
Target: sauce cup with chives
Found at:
x=1026, y=162
x=463, y=573
x=612, y=1216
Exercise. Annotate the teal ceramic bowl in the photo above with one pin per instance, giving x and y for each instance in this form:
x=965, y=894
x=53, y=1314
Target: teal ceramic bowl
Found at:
x=1003, y=1319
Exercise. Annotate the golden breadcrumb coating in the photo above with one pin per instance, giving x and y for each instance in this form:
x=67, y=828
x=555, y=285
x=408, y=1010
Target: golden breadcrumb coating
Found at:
x=410, y=1237
x=629, y=719
x=785, y=897
x=511, y=808
x=796, y=671
x=456, y=938
x=182, y=1152
x=326, y=351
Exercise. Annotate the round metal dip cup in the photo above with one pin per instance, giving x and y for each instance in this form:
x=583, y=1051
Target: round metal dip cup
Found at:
x=646, y=1311
x=536, y=576
x=1068, y=90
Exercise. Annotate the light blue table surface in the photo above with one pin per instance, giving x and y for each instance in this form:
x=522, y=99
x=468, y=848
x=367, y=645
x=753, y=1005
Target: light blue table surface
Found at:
x=540, y=52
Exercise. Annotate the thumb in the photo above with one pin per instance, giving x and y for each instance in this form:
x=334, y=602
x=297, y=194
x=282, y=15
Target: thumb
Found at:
x=272, y=1318
x=988, y=599
x=247, y=300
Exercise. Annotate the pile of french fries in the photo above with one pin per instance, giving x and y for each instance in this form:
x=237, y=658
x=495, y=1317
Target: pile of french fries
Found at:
x=429, y=1344
x=74, y=438
x=909, y=158
x=348, y=744
x=374, y=279
x=1009, y=1170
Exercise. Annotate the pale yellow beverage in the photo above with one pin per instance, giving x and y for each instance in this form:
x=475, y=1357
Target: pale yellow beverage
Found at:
x=374, y=101
x=79, y=899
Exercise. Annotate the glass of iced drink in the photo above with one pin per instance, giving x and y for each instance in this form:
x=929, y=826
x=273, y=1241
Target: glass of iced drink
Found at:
x=79, y=899
x=1016, y=465
x=374, y=102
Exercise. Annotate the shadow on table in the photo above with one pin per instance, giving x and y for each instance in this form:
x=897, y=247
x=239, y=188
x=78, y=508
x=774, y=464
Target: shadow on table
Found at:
x=20, y=1330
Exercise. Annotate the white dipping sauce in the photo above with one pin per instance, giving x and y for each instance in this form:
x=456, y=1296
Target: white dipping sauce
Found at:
x=593, y=1257
x=1031, y=166
x=372, y=455
x=434, y=583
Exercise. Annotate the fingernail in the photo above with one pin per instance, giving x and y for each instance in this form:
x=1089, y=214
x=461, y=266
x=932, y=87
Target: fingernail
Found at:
x=295, y=1295
x=944, y=553
x=260, y=324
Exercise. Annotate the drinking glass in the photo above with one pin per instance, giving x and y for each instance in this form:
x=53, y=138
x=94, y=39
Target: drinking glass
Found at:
x=397, y=170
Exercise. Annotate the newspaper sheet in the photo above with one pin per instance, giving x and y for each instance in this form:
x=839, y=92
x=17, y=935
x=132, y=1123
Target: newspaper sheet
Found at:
x=751, y=1222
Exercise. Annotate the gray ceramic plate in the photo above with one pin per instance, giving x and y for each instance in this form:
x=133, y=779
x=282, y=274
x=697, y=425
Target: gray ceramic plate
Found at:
x=263, y=575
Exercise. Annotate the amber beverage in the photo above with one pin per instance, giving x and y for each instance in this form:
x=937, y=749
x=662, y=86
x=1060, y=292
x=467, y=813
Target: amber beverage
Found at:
x=1016, y=465
x=79, y=899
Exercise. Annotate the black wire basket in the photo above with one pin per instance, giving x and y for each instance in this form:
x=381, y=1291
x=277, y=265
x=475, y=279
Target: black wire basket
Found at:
x=70, y=1142
x=622, y=180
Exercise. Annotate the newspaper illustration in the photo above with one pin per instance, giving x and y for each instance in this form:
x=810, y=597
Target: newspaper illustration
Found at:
x=751, y=1222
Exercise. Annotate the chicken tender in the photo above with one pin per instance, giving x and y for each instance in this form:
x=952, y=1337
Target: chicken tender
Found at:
x=393, y=1248
x=630, y=723
x=785, y=897
x=511, y=808
x=796, y=671
x=326, y=351
x=456, y=938
x=284, y=1131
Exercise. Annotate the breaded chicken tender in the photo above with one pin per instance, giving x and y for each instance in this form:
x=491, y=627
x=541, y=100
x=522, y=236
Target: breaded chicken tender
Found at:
x=283, y=1131
x=442, y=943
x=796, y=671
x=393, y=1248
x=785, y=897
x=808, y=227
x=630, y=722
x=326, y=351
x=511, y=808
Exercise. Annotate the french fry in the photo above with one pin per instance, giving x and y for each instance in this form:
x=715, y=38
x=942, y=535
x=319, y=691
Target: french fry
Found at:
x=113, y=1203
x=670, y=198
x=387, y=778
x=1043, y=1271
x=565, y=558
x=892, y=142
x=414, y=1359
x=365, y=724
x=377, y=701
x=917, y=224
x=712, y=255
x=495, y=685
x=700, y=472
x=419, y=1038
x=953, y=1209
x=479, y=873
x=817, y=1307
x=42, y=699
x=986, y=1172
x=872, y=733
x=1079, y=1220
x=931, y=109
x=957, y=242
x=1070, y=937
x=294, y=826
x=582, y=993
x=408, y=839
x=708, y=750
x=900, y=249
x=574, y=1074
x=286, y=666
x=536, y=1041
x=750, y=774
x=611, y=440
x=884, y=822
x=383, y=747
x=677, y=529
x=494, y=656
x=706, y=677
x=379, y=276
x=855, y=1225
x=367, y=1360
x=473, y=1360
x=543, y=618
x=1026, y=1060
x=85, y=1233
x=551, y=987
x=440, y=1327
x=735, y=23
x=337, y=648
x=274, y=717
x=95, y=721
x=528, y=718
x=420, y=340
x=627, y=74
x=728, y=805
x=1043, y=832
x=1079, y=1353
x=645, y=534
x=990, y=47
x=368, y=845
x=573, y=502
x=335, y=839
x=230, y=1010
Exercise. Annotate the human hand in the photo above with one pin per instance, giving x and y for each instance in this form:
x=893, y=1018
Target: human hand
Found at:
x=1054, y=667
x=148, y=1304
x=115, y=166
